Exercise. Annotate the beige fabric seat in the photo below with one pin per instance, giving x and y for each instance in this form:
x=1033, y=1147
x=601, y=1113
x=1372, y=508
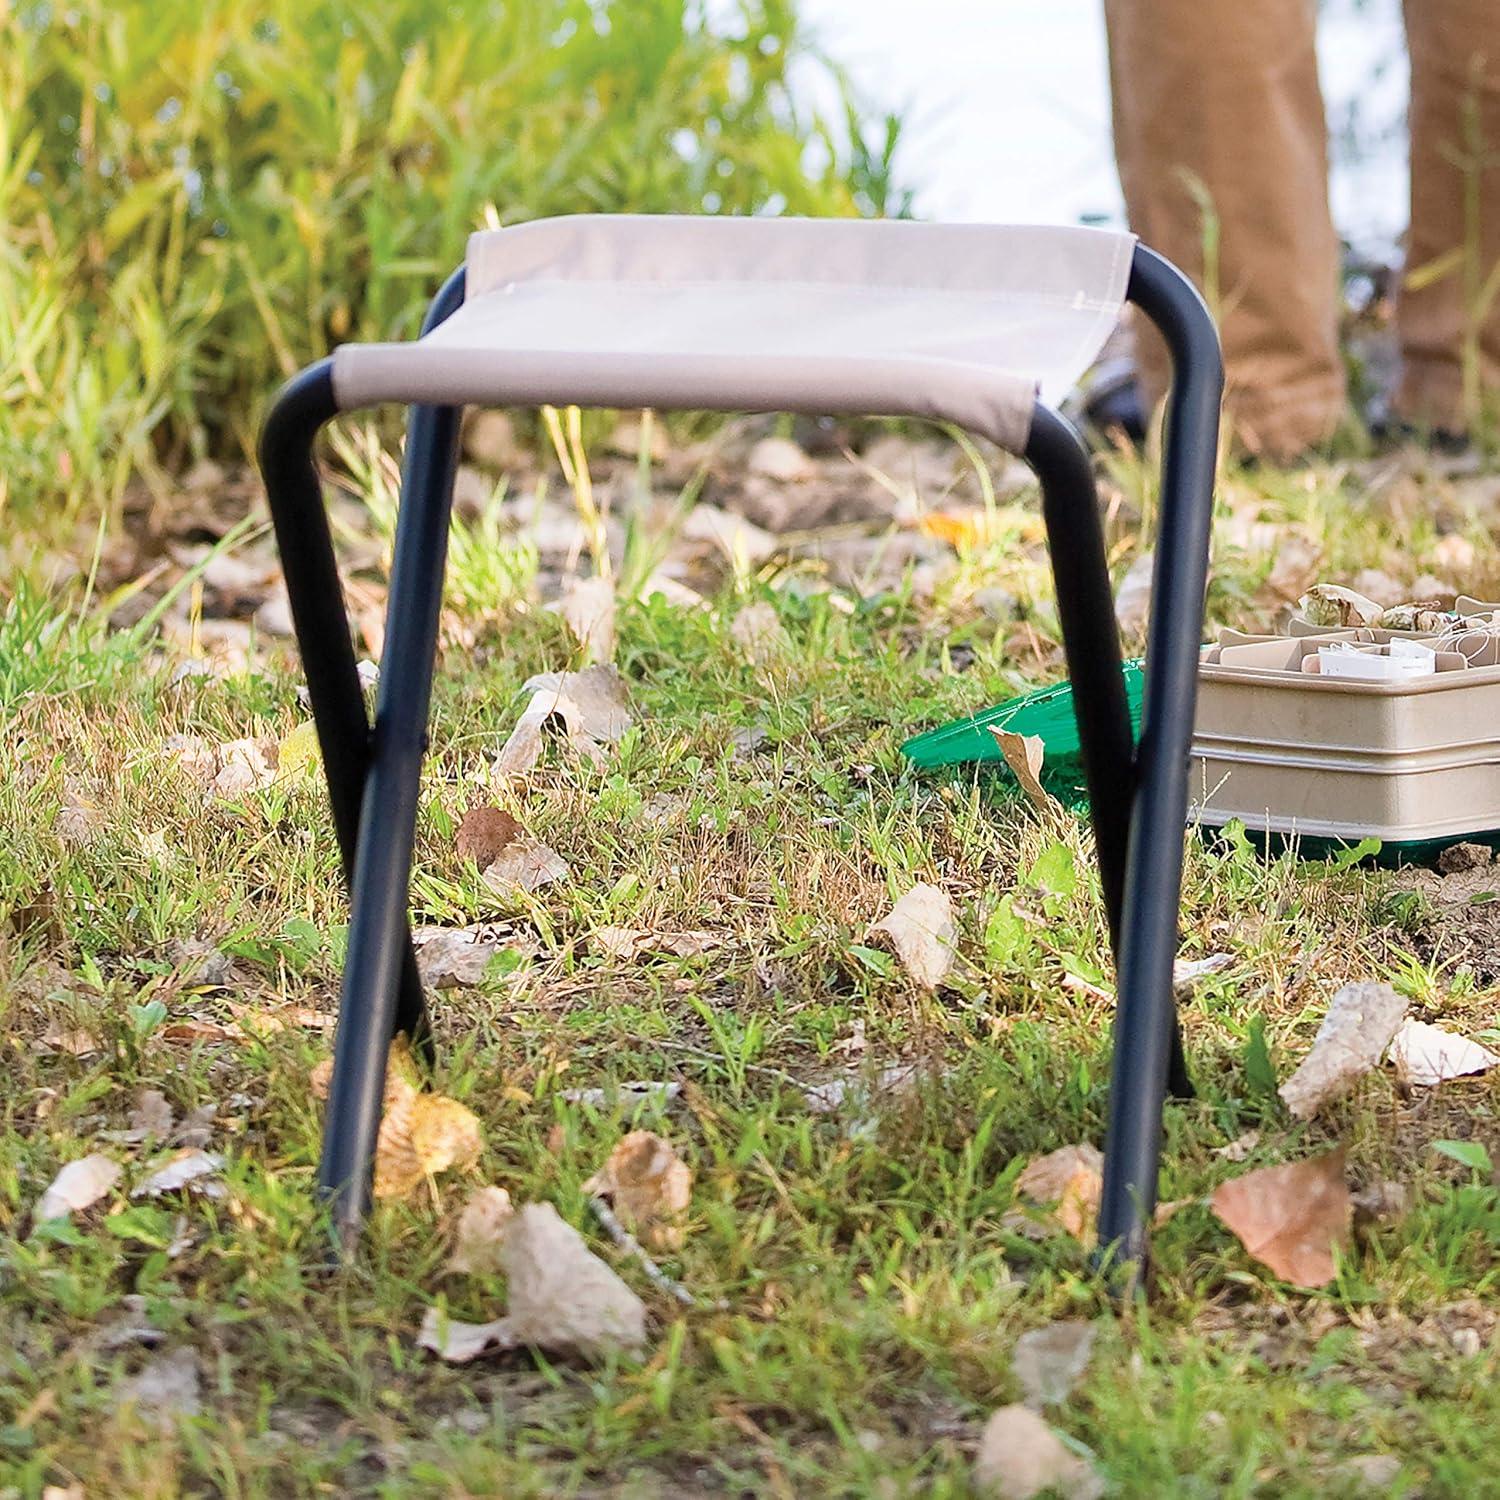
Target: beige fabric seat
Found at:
x=967, y=323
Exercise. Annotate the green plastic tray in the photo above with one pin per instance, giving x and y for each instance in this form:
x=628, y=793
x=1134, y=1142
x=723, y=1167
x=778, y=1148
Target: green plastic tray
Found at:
x=1048, y=713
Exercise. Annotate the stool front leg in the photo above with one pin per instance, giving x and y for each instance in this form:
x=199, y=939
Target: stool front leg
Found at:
x=369, y=1008
x=1146, y=1039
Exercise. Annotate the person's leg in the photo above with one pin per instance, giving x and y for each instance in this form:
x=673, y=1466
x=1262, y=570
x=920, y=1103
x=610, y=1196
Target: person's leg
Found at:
x=1222, y=96
x=1454, y=241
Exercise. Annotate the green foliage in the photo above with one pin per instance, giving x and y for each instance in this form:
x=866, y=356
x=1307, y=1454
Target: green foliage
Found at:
x=198, y=198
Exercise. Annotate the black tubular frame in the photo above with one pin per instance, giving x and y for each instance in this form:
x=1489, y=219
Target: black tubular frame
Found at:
x=1137, y=791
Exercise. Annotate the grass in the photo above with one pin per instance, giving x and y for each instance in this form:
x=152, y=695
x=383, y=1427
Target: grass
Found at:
x=196, y=199
x=859, y=1291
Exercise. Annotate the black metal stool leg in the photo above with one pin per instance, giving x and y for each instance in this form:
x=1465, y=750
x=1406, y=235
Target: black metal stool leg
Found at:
x=307, y=558
x=1146, y=1020
x=378, y=933
x=1091, y=642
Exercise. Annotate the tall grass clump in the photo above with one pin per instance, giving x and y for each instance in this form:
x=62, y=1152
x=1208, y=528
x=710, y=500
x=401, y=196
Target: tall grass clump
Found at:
x=198, y=196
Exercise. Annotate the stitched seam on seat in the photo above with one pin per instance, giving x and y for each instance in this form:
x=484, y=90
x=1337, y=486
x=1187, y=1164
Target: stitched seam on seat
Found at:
x=1080, y=301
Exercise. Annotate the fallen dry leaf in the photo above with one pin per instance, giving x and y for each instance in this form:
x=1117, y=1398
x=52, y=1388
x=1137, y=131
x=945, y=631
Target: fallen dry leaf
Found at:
x=859, y=1087
x=484, y=832
x=259, y=1023
x=1024, y=754
x=1240, y=1147
x=563, y=1298
x=1298, y=557
x=460, y=1343
x=1362, y=1018
x=189, y=1167
x=590, y=704
x=299, y=755
x=151, y=1118
x=72, y=1040
x=587, y=605
x=421, y=1134
x=1050, y=1361
x=455, y=958
x=481, y=1233
x=742, y=542
x=79, y=819
x=242, y=767
x=79, y=1185
x=1186, y=972
x=650, y=1187
x=920, y=928
x=1383, y=1202
x=621, y=942
x=1290, y=1218
x=526, y=864
x=781, y=459
x=630, y=942
x=631, y=1096
x=1067, y=1181
x=195, y=1029
x=1020, y=1457
x=1426, y=1056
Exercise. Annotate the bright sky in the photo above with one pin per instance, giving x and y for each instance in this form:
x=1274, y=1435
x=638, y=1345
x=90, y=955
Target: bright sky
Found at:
x=1008, y=104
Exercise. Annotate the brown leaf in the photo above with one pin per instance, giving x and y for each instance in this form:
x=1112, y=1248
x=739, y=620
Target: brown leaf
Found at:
x=1069, y=1181
x=621, y=942
x=525, y=864
x=421, y=1134
x=460, y=1343
x=165, y=1388
x=79, y=819
x=458, y=957
x=563, y=1298
x=196, y=1030
x=243, y=767
x=79, y=1185
x=1021, y=1457
x=151, y=1117
x=1362, y=1018
x=484, y=832
x=920, y=928
x=1295, y=565
x=72, y=1040
x=649, y=1186
x=481, y=1233
x=1290, y=1218
x=1024, y=754
x=630, y=942
x=590, y=705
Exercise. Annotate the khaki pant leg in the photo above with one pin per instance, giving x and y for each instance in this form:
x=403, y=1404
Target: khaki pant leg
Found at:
x=1455, y=110
x=1225, y=93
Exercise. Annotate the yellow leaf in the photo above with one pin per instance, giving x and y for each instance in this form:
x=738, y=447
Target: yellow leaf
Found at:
x=421, y=1134
x=299, y=755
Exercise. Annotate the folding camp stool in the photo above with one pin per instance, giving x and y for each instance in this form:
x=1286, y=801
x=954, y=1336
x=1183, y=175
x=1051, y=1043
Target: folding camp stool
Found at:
x=982, y=326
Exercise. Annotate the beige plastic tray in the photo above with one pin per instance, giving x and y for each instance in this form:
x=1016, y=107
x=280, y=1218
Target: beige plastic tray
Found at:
x=1289, y=751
